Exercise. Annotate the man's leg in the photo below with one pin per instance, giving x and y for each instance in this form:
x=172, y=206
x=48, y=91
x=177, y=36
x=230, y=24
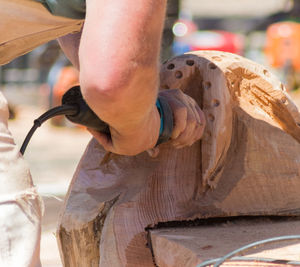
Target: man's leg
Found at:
x=20, y=205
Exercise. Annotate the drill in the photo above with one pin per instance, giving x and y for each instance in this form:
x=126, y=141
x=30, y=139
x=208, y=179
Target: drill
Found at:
x=77, y=111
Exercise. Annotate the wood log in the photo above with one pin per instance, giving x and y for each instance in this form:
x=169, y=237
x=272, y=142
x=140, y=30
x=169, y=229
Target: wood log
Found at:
x=190, y=246
x=247, y=163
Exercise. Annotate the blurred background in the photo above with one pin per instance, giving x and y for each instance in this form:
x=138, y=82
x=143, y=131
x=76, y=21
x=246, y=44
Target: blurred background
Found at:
x=267, y=32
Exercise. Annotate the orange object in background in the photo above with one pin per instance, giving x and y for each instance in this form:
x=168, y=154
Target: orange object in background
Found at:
x=283, y=45
x=67, y=78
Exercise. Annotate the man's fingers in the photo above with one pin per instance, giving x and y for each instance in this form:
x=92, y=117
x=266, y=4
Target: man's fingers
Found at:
x=187, y=135
x=194, y=128
x=198, y=133
x=201, y=115
x=200, y=125
x=180, y=119
x=189, y=119
x=179, y=108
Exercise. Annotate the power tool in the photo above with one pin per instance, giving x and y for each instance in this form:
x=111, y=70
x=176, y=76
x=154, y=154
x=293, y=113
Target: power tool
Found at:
x=77, y=110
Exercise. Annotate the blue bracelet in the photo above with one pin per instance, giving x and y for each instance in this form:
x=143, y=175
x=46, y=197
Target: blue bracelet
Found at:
x=161, y=116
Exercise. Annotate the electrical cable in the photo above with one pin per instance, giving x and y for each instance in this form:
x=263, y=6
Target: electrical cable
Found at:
x=253, y=259
x=77, y=111
x=219, y=261
x=60, y=110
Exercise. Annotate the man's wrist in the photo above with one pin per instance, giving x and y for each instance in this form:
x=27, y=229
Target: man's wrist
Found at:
x=140, y=137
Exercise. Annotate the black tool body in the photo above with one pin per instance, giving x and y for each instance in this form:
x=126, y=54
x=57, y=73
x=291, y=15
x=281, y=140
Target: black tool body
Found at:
x=87, y=117
x=77, y=110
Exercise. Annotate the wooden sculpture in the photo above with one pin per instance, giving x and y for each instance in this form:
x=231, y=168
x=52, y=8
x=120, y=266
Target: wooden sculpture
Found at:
x=210, y=239
x=247, y=163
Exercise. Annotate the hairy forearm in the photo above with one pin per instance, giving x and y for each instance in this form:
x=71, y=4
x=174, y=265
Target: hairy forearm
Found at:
x=119, y=60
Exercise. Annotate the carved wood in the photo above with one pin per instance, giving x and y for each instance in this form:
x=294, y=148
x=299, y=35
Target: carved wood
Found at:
x=190, y=246
x=246, y=164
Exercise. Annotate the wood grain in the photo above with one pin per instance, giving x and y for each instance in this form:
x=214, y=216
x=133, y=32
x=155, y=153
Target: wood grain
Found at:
x=190, y=246
x=247, y=163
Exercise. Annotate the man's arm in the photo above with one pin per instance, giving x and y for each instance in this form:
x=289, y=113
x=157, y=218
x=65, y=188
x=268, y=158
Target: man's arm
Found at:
x=119, y=51
x=118, y=57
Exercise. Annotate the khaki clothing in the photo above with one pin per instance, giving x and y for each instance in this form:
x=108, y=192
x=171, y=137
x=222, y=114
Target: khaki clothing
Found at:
x=26, y=24
x=20, y=205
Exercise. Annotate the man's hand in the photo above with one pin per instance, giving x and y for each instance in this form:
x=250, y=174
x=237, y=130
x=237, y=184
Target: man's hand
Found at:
x=189, y=124
x=189, y=120
x=119, y=70
x=141, y=137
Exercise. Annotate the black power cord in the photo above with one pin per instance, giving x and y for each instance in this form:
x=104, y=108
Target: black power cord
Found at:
x=77, y=110
x=61, y=110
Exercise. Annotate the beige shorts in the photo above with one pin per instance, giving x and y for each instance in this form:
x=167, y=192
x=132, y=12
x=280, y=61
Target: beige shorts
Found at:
x=26, y=24
x=20, y=205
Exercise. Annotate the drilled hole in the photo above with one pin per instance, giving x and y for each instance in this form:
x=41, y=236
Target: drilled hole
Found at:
x=211, y=117
x=217, y=58
x=178, y=74
x=216, y=102
x=207, y=85
x=212, y=66
x=298, y=124
x=171, y=66
x=190, y=62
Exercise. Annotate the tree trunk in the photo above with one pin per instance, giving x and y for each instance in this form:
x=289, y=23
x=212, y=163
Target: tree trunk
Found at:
x=247, y=163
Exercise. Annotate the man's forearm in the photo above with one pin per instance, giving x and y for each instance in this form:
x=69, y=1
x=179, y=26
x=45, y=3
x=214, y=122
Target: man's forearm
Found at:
x=119, y=60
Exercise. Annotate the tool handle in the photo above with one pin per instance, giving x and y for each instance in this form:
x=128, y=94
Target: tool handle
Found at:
x=87, y=117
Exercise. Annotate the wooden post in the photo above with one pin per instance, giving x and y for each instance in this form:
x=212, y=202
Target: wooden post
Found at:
x=247, y=163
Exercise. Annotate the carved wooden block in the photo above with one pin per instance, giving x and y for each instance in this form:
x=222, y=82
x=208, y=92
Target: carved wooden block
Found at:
x=247, y=163
x=190, y=246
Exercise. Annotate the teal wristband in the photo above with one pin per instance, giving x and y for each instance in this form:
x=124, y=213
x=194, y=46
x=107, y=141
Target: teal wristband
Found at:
x=161, y=116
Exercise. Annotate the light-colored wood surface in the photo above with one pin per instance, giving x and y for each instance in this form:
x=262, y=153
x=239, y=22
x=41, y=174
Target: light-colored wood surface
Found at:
x=189, y=246
x=246, y=164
